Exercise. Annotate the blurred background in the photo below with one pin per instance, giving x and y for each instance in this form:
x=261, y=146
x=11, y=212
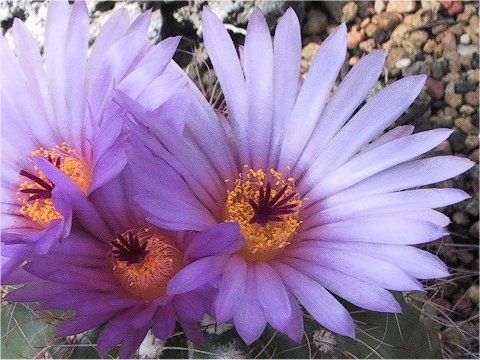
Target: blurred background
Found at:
x=437, y=38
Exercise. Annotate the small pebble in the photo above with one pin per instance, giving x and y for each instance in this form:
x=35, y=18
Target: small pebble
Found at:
x=403, y=63
x=429, y=46
x=379, y=6
x=471, y=98
x=353, y=60
x=349, y=12
x=465, y=39
x=454, y=100
x=467, y=109
x=474, y=230
x=368, y=45
x=461, y=218
x=473, y=293
x=435, y=88
x=371, y=29
x=471, y=142
x=467, y=50
x=464, y=124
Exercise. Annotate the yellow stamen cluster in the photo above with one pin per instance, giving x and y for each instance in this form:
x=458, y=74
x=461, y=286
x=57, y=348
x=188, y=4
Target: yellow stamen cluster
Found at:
x=42, y=210
x=70, y=164
x=148, y=279
x=262, y=242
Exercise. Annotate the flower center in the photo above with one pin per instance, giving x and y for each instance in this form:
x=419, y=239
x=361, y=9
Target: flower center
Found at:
x=143, y=261
x=36, y=192
x=266, y=206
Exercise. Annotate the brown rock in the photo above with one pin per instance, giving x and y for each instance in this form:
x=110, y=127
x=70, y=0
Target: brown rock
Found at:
x=364, y=23
x=349, y=11
x=449, y=42
x=410, y=48
x=467, y=109
x=371, y=29
x=437, y=29
x=473, y=292
x=461, y=218
x=454, y=100
x=419, y=37
x=316, y=23
x=471, y=98
x=435, y=88
x=308, y=53
x=429, y=46
x=472, y=142
x=473, y=76
x=367, y=46
x=474, y=156
x=444, y=148
x=355, y=37
x=464, y=124
x=453, y=7
x=387, y=21
x=394, y=55
x=401, y=6
x=474, y=230
x=452, y=77
x=399, y=34
x=441, y=121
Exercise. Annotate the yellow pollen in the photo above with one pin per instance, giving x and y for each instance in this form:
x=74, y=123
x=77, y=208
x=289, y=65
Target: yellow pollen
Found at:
x=41, y=209
x=148, y=278
x=263, y=241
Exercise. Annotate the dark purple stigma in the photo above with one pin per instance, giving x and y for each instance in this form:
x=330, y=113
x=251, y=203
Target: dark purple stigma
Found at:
x=46, y=191
x=129, y=248
x=267, y=209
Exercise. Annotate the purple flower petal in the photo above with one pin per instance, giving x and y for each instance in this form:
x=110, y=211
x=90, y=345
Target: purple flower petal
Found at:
x=232, y=286
x=349, y=95
x=363, y=267
x=396, y=97
x=286, y=65
x=313, y=96
x=418, y=263
x=196, y=274
x=192, y=331
x=227, y=67
x=404, y=176
x=294, y=329
x=223, y=238
x=249, y=318
x=189, y=307
x=391, y=135
x=258, y=65
x=273, y=296
x=317, y=301
x=79, y=324
x=163, y=323
x=376, y=160
x=131, y=342
x=354, y=290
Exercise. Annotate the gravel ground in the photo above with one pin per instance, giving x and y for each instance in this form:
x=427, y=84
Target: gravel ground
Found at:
x=437, y=38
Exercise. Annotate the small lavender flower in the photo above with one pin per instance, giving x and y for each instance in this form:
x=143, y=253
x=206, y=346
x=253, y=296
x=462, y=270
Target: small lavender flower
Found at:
x=322, y=199
x=119, y=280
x=61, y=120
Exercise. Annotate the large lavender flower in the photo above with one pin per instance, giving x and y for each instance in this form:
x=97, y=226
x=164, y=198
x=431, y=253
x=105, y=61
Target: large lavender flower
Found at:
x=323, y=204
x=61, y=122
x=120, y=280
